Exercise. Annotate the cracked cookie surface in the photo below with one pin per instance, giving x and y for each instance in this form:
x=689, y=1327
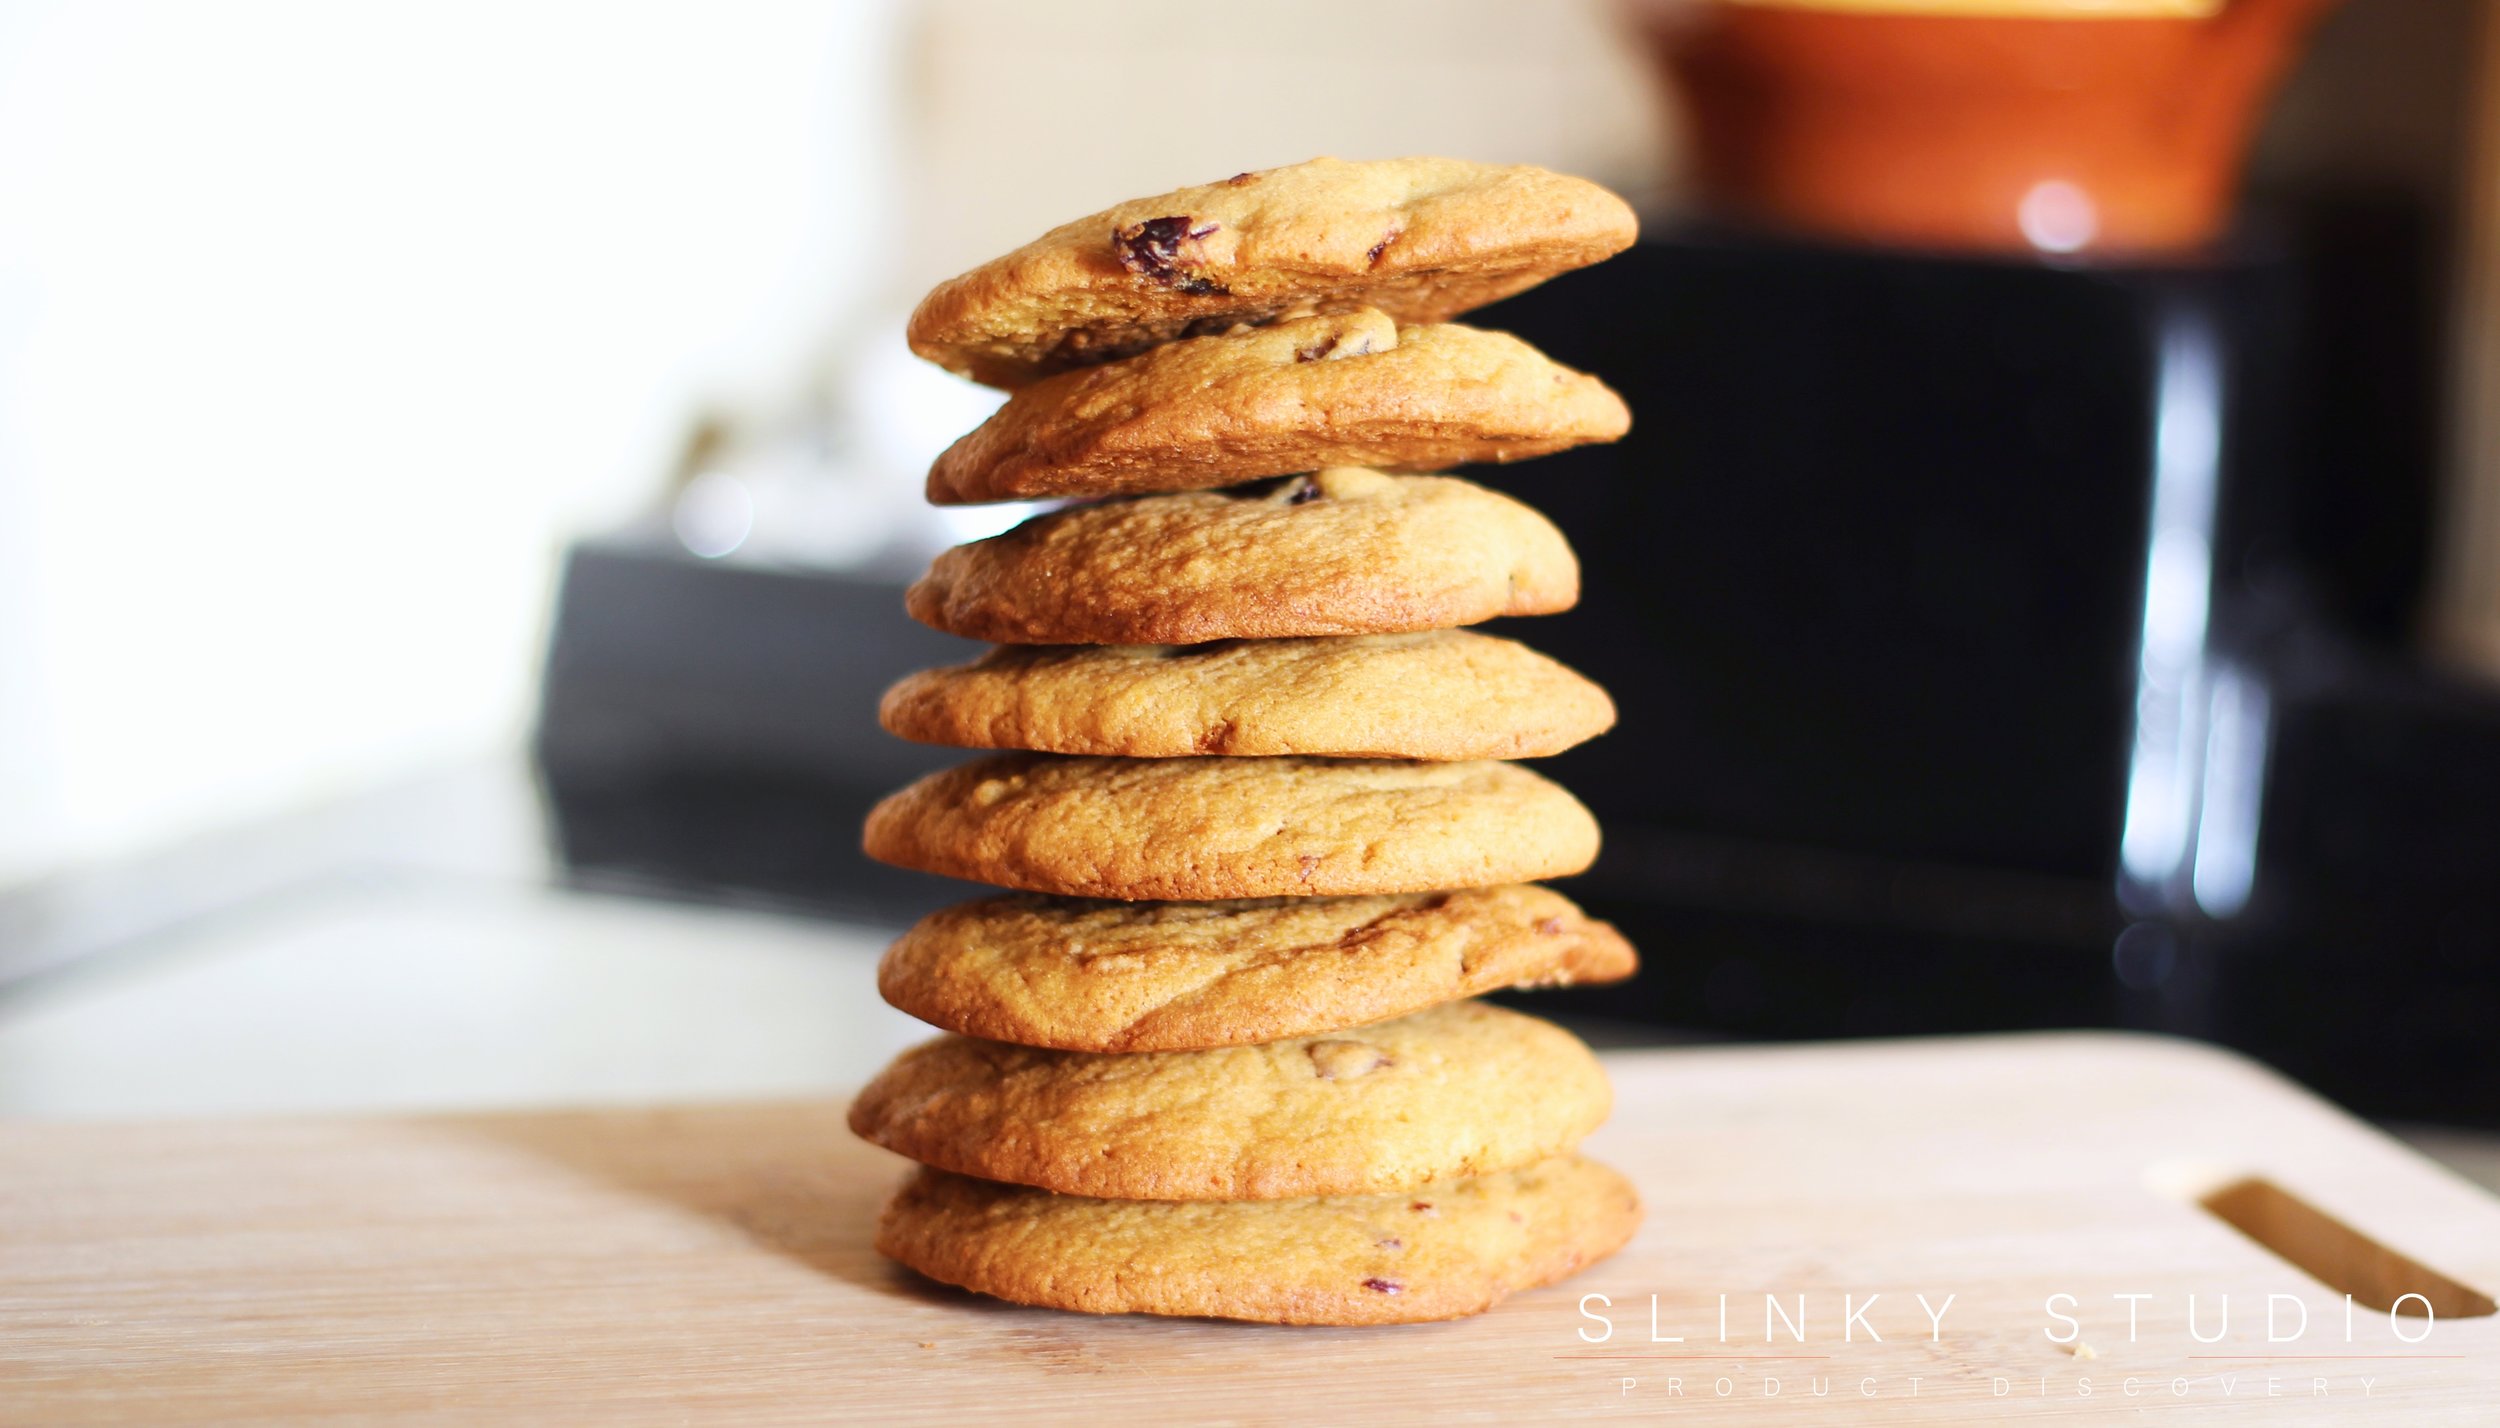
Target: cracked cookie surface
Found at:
x=1463, y=1089
x=1083, y=975
x=1434, y=694
x=1345, y=551
x=1442, y=1252
x=1336, y=389
x=1422, y=239
x=1209, y=828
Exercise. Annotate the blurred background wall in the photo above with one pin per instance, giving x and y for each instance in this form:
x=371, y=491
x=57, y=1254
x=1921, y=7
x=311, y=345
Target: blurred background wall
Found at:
x=322, y=326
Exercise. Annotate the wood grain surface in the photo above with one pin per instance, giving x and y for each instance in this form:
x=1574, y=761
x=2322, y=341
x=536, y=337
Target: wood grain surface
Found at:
x=712, y=1264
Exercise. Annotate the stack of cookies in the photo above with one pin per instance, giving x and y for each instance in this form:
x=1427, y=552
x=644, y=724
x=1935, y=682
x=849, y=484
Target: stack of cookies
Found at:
x=1217, y=1055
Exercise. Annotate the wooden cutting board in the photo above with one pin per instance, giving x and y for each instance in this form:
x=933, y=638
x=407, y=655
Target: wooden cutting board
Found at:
x=712, y=1264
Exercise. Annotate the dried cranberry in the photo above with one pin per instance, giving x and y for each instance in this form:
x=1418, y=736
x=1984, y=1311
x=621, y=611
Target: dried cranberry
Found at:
x=1150, y=247
x=1384, y=1286
x=1373, y=256
x=1305, y=493
x=1165, y=249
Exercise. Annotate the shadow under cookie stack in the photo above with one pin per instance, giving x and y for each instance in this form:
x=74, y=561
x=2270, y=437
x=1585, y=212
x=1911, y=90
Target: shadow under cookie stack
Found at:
x=1218, y=1053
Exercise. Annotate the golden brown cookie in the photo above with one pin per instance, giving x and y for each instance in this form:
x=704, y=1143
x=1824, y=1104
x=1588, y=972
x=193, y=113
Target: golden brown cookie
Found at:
x=1344, y=551
x=1421, y=239
x=1441, y=1252
x=1199, y=829
x=1435, y=694
x=1083, y=975
x=1337, y=389
x=1462, y=1089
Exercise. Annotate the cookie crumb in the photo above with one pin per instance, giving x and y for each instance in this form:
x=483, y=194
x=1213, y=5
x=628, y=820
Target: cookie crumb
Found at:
x=2083, y=1350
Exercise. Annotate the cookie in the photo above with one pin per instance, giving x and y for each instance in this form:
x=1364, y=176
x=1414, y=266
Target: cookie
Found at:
x=1180, y=976
x=1337, y=389
x=1202, y=829
x=1442, y=1252
x=1344, y=551
x=1436, y=694
x=1462, y=1089
x=1421, y=239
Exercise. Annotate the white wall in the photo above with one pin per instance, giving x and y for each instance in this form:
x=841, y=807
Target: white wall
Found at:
x=322, y=324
